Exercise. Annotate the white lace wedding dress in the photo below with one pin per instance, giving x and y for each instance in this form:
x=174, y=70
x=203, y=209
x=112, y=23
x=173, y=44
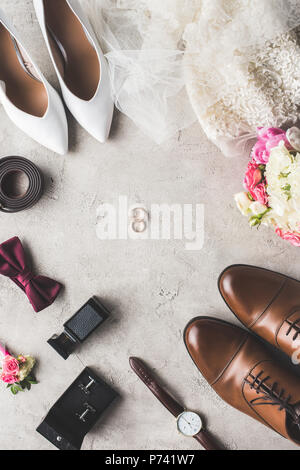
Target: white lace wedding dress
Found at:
x=233, y=64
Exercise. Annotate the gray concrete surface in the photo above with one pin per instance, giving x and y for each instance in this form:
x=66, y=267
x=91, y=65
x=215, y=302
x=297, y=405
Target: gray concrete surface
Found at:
x=152, y=287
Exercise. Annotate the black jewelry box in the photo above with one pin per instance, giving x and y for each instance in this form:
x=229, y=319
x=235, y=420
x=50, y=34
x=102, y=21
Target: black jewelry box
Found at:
x=77, y=411
x=79, y=327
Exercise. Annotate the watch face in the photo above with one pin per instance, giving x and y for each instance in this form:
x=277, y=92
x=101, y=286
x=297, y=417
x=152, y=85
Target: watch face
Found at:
x=189, y=423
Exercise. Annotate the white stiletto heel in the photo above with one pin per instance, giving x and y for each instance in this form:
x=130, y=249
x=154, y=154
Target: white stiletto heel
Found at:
x=79, y=63
x=28, y=99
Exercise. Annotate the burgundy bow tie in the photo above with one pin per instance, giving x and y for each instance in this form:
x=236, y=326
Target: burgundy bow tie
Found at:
x=41, y=291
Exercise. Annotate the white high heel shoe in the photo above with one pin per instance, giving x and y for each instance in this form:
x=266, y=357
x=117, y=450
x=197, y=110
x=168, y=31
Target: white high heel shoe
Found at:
x=79, y=63
x=28, y=99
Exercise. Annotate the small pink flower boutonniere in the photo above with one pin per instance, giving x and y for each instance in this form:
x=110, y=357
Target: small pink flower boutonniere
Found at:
x=16, y=372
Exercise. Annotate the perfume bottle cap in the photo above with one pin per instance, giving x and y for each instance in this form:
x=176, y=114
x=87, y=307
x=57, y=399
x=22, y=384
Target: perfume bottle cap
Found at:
x=79, y=327
x=63, y=344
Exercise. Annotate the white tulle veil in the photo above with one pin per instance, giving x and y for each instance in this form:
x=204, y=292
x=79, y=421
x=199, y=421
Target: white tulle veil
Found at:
x=232, y=64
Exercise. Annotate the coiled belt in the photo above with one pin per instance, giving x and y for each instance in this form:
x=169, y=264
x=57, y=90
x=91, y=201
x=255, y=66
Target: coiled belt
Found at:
x=9, y=202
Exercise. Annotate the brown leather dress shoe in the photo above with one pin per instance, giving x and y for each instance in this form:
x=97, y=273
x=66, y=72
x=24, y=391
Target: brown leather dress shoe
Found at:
x=242, y=371
x=266, y=302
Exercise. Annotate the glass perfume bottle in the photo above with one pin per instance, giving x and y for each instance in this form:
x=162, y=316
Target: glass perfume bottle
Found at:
x=79, y=327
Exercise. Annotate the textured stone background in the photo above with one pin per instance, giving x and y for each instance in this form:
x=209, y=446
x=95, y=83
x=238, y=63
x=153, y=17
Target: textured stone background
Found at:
x=152, y=287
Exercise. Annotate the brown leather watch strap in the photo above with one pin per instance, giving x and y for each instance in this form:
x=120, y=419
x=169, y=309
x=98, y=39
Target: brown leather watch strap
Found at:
x=206, y=441
x=144, y=373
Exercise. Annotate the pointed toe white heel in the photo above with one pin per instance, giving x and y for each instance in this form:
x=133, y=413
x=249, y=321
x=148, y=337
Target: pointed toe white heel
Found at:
x=79, y=63
x=28, y=99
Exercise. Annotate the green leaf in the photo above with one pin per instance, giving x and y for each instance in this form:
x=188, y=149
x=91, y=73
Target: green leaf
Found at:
x=287, y=191
x=33, y=382
x=15, y=388
x=284, y=175
x=28, y=386
x=30, y=378
x=254, y=221
x=8, y=386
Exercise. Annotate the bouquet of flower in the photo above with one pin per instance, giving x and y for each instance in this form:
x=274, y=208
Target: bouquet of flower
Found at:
x=16, y=372
x=272, y=183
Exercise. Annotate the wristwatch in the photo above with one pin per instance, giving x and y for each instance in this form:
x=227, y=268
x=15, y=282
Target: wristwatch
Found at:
x=189, y=423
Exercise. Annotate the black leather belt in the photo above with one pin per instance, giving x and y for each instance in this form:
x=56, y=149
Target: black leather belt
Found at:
x=10, y=202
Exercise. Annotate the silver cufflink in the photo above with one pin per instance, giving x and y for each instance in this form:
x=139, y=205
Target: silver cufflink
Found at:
x=86, y=388
x=84, y=416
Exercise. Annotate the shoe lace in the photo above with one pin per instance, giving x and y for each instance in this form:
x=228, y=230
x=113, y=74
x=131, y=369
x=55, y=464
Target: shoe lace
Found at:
x=294, y=326
x=271, y=395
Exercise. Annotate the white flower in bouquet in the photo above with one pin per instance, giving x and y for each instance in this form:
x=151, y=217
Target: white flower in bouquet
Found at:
x=272, y=182
x=258, y=209
x=243, y=202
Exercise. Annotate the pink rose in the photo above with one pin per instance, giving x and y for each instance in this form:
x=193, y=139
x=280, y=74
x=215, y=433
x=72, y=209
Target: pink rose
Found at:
x=253, y=176
x=10, y=365
x=267, y=133
x=9, y=378
x=275, y=141
x=292, y=237
x=268, y=138
x=253, y=183
x=259, y=194
x=260, y=154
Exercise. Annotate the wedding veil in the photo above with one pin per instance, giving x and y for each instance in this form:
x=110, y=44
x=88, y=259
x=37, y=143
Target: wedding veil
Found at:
x=232, y=64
